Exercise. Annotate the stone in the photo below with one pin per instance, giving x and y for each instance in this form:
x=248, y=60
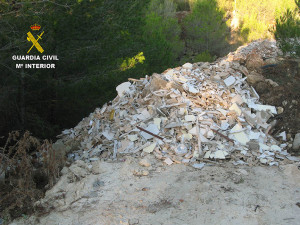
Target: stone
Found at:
x=254, y=78
x=271, y=82
x=254, y=61
x=145, y=163
x=280, y=110
x=296, y=143
x=253, y=145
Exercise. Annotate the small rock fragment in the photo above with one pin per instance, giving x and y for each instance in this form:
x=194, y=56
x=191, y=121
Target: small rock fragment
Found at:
x=296, y=143
x=145, y=163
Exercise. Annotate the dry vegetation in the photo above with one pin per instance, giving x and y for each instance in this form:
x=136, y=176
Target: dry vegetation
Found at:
x=30, y=167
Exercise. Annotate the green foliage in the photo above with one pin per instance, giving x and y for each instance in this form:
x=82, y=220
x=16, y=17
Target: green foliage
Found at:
x=129, y=63
x=161, y=35
x=182, y=5
x=287, y=31
x=203, y=57
x=204, y=34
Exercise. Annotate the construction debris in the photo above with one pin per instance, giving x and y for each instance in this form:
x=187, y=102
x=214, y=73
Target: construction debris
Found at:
x=187, y=114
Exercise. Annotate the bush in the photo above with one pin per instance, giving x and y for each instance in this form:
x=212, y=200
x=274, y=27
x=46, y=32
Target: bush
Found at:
x=203, y=57
x=204, y=34
x=28, y=166
x=287, y=31
x=162, y=44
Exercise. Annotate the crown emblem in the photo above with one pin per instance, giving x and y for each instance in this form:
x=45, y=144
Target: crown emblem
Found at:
x=35, y=27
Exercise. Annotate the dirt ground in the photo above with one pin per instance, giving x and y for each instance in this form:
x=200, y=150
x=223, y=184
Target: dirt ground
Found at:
x=286, y=73
x=114, y=193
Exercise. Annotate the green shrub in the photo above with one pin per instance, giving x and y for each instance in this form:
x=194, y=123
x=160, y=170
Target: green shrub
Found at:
x=161, y=35
x=287, y=31
x=203, y=57
x=205, y=29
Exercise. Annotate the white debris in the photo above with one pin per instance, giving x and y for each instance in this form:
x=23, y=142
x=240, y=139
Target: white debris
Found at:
x=239, y=134
x=235, y=108
x=150, y=148
x=190, y=118
x=151, y=128
x=282, y=135
x=108, y=135
x=168, y=161
x=123, y=88
x=157, y=122
x=258, y=107
x=229, y=81
x=132, y=137
x=185, y=108
x=188, y=66
x=219, y=155
x=199, y=165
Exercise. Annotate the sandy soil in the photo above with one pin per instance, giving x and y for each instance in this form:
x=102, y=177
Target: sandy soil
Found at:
x=116, y=193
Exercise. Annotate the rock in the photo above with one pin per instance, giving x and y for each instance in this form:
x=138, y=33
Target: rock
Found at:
x=254, y=78
x=253, y=145
x=145, y=163
x=2, y=175
x=280, y=110
x=254, y=61
x=271, y=61
x=272, y=83
x=262, y=87
x=296, y=143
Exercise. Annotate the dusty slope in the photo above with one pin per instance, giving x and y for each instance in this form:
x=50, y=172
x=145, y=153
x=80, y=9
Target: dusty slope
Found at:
x=177, y=194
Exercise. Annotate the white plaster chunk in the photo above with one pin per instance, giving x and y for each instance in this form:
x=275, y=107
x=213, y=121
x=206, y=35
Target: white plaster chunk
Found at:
x=187, y=66
x=224, y=125
x=254, y=135
x=240, y=136
x=168, y=161
x=108, y=135
x=157, y=122
x=219, y=154
x=199, y=165
x=235, y=108
x=190, y=118
x=229, y=81
x=192, y=89
x=282, y=135
x=132, y=137
x=237, y=99
x=151, y=128
x=150, y=148
x=123, y=88
x=258, y=107
x=275, y=148
x=193, y=131
x=207, y=154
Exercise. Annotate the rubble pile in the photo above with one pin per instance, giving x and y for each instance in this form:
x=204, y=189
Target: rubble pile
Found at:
x=191, y=114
